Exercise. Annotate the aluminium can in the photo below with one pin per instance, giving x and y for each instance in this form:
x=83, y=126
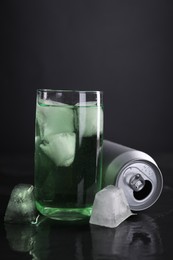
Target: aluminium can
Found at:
x=135, y=172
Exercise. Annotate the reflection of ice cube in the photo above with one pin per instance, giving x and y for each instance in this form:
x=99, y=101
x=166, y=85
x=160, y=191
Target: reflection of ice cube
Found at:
x=138, y=238
x=21, y=206
x=89, y=119
x=110, y=207
x=54, y=119
x=60, y=148
x=20, y=236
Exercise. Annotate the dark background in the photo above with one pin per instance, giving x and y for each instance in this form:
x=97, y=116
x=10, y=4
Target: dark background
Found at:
x=121, y=47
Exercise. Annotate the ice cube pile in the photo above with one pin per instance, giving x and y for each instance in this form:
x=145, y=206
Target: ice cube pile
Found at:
x=21, y=206
x=57, y=124
x=110, y=207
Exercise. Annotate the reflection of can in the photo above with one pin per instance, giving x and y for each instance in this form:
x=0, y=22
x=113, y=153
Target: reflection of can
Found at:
x=133, y=171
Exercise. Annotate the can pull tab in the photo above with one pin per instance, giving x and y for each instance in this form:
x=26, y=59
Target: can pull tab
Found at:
x=137, y=182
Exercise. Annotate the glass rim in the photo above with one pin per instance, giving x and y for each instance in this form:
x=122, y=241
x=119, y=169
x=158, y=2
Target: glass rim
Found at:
x=70, y=91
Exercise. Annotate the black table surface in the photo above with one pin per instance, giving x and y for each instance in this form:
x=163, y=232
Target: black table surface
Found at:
x=147, y=235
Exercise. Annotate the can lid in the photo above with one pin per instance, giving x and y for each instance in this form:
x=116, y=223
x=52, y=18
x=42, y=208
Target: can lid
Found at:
x=142, y=183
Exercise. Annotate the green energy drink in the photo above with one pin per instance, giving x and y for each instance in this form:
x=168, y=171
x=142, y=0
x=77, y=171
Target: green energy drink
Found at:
x=68, y=158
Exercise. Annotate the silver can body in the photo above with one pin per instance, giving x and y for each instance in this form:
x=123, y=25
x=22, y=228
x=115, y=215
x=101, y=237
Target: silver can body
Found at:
x=135, y=172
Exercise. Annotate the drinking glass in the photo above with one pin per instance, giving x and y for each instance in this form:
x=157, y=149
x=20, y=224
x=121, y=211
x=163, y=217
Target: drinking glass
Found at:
x=68, y=152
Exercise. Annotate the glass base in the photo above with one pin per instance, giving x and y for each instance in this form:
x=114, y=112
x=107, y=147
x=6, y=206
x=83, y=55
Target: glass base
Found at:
x=65, y=214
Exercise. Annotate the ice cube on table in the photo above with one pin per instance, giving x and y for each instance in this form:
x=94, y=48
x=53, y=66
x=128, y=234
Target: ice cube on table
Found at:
x=54, y=119
x=89, y=119
x=21, y=206
x=60, y=148
x=110, y=207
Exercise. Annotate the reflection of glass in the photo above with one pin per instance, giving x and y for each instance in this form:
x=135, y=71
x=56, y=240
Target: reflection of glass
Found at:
x=48, y=240
x=41, y=248
x=69, y=129
x=137, y=237
x=54, y=241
